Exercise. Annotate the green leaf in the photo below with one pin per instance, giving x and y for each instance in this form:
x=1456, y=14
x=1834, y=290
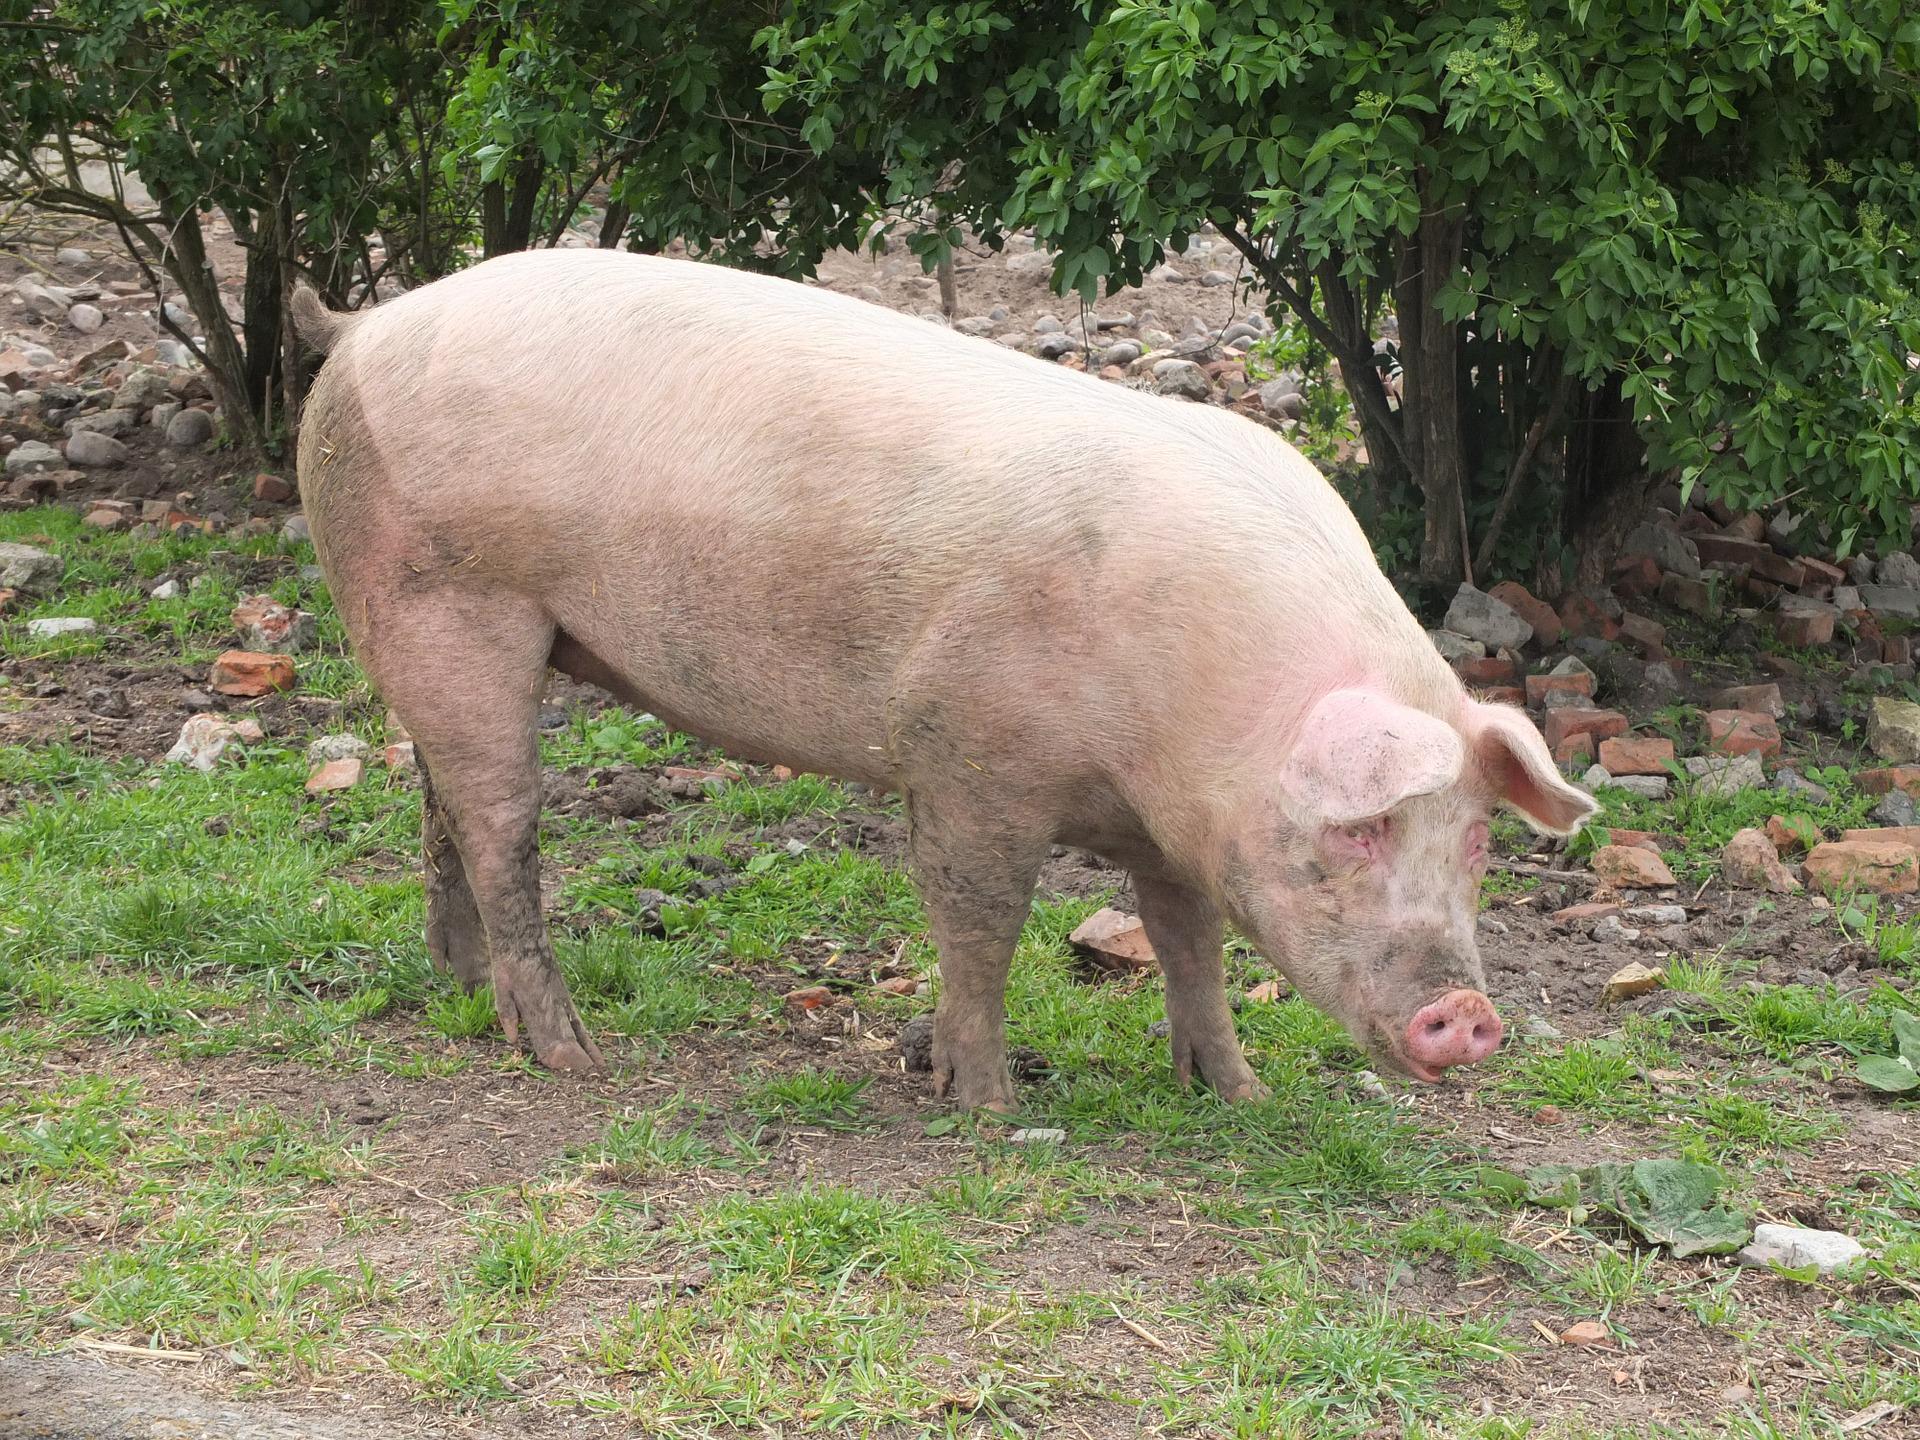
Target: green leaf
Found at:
x=1664, y=1202
x=1906, y=1036
x=1890, y=1074
x=942, y=1125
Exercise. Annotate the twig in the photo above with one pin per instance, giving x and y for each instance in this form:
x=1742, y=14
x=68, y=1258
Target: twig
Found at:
x=1514, y=867
x=413, y=1190
x=139, y=1352
x=1140, y=1330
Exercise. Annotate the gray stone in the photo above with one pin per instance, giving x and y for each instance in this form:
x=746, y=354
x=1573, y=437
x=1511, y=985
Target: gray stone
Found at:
x=95, y=450
x=1454, y=646
x=1038, y=1135
x=1661, y=681
x=190, y=427
x=1492, y=925
x=1216, y=277
x=1182, y=378
x=1122, y=321
x=1846, y=597
x=1790, y=781
x=31, y=455
x=296, y=529
x=72, y=255
x=1053, y=345
x=163, y=414
x=1900, y=601
x=55, y=625
x=1647, y=787
x=1657, y=915
x=1031, y=262
x=1795, y=1248
x=975, y=325
x=180, y=317
x=39, y=356
x=337, y=747
x=1282, y=404
x=1610, y=931
x=28, y=569
x=1805, y=605
x=1859, y=569
x=998, y=314
x=1893, y=729
x=165, y=590
x=1171, y=273
x=1899, y=569
x=1048, y=325
x=1239, y=333
x=1726, y=774
x=1596, y=776
x=104, y=422
x=1574, y=665
x=141, y=389
x=1896, y=807
x=1565, y=700
x=1535, y=1028
x=1477, y=614
x=1122, y=352
x=1670, y=550
x=86, y=318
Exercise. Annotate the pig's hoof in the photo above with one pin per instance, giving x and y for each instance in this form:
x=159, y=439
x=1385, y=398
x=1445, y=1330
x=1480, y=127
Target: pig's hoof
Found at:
x=977, y=1092
x=571, y=1057
x=1248, y=1092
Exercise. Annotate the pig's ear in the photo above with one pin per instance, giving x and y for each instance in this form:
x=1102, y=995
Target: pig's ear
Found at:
x=1360, y=754
x=1524, y=775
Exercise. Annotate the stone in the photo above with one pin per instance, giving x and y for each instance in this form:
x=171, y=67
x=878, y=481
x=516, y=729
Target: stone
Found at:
x=1613, y=931
x=808, y=997
x=1649, y=637
x=342, y=746
x=1884, y=867
x=92, y=449
x=53, y=626
x=72, y=255
x=1573, y=665
x=28, y=569
x=1636, y=754
x=1793, y=1247
x=1282, y=396
x=1632, y=979
x=1750, y=862
x=1542, y=617
x=916, y=1044
x=1692, y=596
x=1786, y=835
x=1647, y=787
x=105, y=517
x=142, y=389
x=1493, y=622
x=271, y=488
x=296, y=531
x=1899, y=569
x=399, y=756
x=1887, y=835
x=1038, y=1135
x=1899, y=777
x=86, y=318
x=1453, y=646
x=249, y=674
x=1789, y=781
x=1900, y=602
x=168, y=589
x=1895, y=808
x=1893, y=729
x=1628, y=867
x=1567, y=720
x=1762, y=698
x=31, y=456
x=975, y=325
x=1636, y=575
x=1725, y=774
x=1540, y=687
x=1182, y=378
x=203, y=740
x=336, y=775
x=1595, y=775
x=1743, y=732
x=1671, y=550
x=1216, y=277
x=108, y=422
x=1114, y=941
x=1662, y=915
x=189, y=428
x=265, y=624
x=1804, y=629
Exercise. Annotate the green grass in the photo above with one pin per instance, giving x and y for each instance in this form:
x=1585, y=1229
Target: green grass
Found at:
x=808, y=1097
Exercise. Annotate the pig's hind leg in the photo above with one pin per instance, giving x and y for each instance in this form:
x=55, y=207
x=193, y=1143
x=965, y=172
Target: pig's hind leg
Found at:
x=1187, y=934
x=456, y=938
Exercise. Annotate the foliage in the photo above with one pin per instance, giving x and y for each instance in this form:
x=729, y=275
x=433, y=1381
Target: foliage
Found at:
x=1664, y=1202
x=1900, y=1072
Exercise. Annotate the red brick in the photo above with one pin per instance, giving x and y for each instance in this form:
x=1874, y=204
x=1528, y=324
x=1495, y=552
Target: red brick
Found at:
x=1729, y=550
x=1541, y=686
x=1569, y=720
x=1485, y=669
x=1585, y=913
x=1763, y=698
x=1693, y=596
x=1636, y=575
x=249, y=673
x=1584, y=617
x=1896, y=649
x=1765, y=591
x=1545, y=620
x=1782, y=665
x=1804, y=629
x=1778, y=568
x=1639, y=839
x=1574, y=750
x=1896, y=777
x=271, y=488
x=1866, y=629
x=1649, y=637
x=1636, y=755
x=1114, y=940
x=1503, y=695
x=1786, y=839
x=1742, y=732
x=1819, y=575
x=1631, y=868
x=1747, y=527
x=1882, y=867
x=341, y=774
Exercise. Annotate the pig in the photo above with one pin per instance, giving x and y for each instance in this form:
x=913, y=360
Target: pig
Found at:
x=1042, y=608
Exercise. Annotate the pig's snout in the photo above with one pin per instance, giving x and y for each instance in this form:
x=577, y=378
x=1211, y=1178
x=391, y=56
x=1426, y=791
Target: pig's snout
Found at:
x=1460, y=1028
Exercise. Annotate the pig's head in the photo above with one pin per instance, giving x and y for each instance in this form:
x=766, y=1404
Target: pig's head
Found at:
x=1357, y=869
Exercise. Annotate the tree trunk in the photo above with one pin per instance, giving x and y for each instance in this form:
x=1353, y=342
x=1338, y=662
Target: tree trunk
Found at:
x=260, y=316
x=1608, y=487
x=186, y=261
x=613, y=225
x=1430, y=393
x=506, y=209
x=1352, y=348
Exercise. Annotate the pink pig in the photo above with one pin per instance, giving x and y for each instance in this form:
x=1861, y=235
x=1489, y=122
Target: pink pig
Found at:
x=1043, y=608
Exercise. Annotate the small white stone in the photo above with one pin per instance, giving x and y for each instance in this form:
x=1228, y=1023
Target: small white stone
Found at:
x=1038, y=1137
x=48, y=628
x=1795, y=1248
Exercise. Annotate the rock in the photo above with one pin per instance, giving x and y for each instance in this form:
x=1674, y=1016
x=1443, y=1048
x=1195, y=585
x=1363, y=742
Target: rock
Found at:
x=265, y=624
x=1566, y=721
x=916, y=1044
x=1885, y=868
x=203, y=740
x=1560, y=690
x=86, y=318
x=296, y=531
x=110, y=701
x=163, y=414
x=1893, y=729
x=1785, y=835
x=1038, y=263
x=399, y=756
x=271, y=488
x=189, y=428
x=108, y=422
x=72, y=255
x=1789, y=781
x=1122, y=352
x=1896, y=808
x=1905, y=778
x=341, y=774
x=1587, y=1333
x=166, y=590
x=1659, y=915
x=1670, y=550
x=1453, y=646
x=1595, y=775
x=1114, y=941
x=1048, y=325
x=1900, y=569
x=1536, y=1028
x=808, y=997
x=1636, y=755
x=249, y=674
x=30, y=456
x=1647, y=787
x=142, y=390
x=1794, y=1248
x=1480, y=616
x=328, y=748
x=1539, y=615
x=1182, y=378
x=105, y=517
x=1647, y=636
x=28, y=569
x=1745, y=732
x=976, y=325
x=1038, y=1135
x=57, y=625
x=1632, y=979
x=1761, y=699
x=1900, y=602
x=1628, y=867
x=1750, y=862
x=1611, y=931
x=1726, y=774
x=1216, y=277
x=94, y=450
x=1052, y=347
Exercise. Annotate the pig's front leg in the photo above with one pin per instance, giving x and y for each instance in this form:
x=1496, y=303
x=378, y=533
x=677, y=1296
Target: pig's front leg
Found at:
x=1187, y=934
x=976, y=879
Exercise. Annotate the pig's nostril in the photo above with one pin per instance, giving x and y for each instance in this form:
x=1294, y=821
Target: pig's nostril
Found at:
x=1437, y=1027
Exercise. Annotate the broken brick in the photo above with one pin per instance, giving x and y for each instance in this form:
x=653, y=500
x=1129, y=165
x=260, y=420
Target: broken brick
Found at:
x=1785, y=836
x=249, y=673
x=1763, y=699
x=1882, y=867
x=1729, y=550
x=1116, y=941
x=1804, y=629
x=1628, y=867
x=1742, y=732
x=1485, y=669
x=1574, y=750
x=1544, y=619
x=271, y=488
x=1636, y=575
x=1905, y=778
x=1693, y=596
x=1567, y=720
x=1649, y=637
x=1637, y=755
x=342, y=774
x=1541, y=686
x=1582, y=616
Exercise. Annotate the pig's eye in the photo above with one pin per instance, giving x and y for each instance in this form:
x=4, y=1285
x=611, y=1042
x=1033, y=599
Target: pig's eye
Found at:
x=1477, y=845
x=1365, y=840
